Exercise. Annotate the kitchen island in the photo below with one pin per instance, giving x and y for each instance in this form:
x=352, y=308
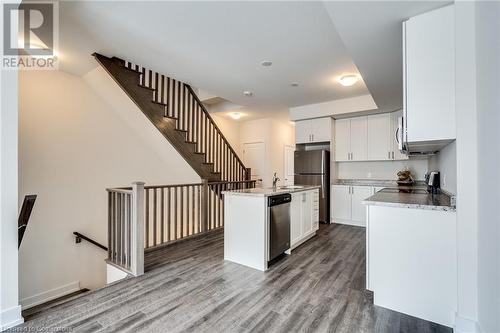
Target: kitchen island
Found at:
x=247, y=227
x=411, y=252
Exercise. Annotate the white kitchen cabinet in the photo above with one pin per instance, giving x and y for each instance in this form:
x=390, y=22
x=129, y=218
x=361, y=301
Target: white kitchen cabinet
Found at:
x=306, y=213
x=302, y=131
x=396, y=154
x=304, y=216
x=351, y=139
x=380, y=147
x=295, y=218
x=429, y=76
x=313, y=130
x=358, y=194
x=346, y=205
x=359, y=140
x=315, y=209
x=371, y=138
x=342, y=140
x=341, y=202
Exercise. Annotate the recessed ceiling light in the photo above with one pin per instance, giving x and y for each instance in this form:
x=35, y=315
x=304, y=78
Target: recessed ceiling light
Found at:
x=235, y=115
x=348, y=80
x=294, y=84
x=266, y=63
x=248, y=93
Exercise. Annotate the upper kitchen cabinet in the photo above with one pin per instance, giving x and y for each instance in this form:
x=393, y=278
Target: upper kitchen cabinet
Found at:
x=379, y=137
x=370, y=138
x=429, y=78
x=350, y=139
x=313, y=130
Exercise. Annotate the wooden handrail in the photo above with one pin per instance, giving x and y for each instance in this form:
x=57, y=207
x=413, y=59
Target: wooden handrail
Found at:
x=213, y=122
x=24, y=216
x=79, y=237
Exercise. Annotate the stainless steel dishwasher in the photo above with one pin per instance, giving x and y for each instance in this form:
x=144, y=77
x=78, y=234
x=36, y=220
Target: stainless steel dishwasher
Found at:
x=279, y=224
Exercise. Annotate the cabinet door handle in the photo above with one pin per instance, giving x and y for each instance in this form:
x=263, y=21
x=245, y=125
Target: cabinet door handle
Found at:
x=392, y=155
x=389, y=155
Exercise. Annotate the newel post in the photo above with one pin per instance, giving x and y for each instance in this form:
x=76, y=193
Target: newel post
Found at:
x=137, y=229
x=204, y=205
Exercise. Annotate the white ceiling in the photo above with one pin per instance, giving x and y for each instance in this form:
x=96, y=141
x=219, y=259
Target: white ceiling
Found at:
x=218, y=46
x=372, y=32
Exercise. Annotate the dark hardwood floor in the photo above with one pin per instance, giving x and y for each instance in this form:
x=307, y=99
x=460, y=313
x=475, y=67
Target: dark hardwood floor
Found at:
x=189, y=288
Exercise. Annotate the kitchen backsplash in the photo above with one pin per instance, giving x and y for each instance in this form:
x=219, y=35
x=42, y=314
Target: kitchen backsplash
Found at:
x=382, y=169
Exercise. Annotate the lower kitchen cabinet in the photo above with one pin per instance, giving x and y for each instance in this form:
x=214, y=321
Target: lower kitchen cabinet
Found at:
x=346, y=206
x=304, y=216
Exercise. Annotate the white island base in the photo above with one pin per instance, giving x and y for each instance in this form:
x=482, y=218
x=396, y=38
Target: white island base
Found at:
x=246, y=226
x=411, y=261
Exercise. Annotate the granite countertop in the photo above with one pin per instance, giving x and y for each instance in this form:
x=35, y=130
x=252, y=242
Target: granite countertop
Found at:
x=417, y=198
x=266, y=192
x=372, y=182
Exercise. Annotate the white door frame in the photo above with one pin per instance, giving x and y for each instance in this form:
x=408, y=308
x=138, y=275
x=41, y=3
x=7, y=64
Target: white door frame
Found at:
x=287, y=181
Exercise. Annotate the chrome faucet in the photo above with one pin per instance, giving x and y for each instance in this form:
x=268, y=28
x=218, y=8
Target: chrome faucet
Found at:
x=275, y=180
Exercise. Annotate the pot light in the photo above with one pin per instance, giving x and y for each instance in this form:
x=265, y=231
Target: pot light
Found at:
x=248, y=93
x=348, y=80
x=235, y=115
x=266, y=63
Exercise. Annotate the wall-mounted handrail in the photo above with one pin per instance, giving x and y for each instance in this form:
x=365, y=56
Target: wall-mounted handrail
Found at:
x=79, y=237
x=24, y=217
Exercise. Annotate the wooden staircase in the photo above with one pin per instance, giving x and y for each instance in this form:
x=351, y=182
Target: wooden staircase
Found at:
x=176, y=111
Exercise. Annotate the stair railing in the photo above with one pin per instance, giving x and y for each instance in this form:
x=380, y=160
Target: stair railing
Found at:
x=181, y=102
x=126, y=228
x=24, y=217
x=146, y=217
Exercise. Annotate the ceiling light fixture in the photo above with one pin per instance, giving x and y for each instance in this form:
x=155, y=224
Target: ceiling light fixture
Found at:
x=294, y=84
x=248, y=93
x=266, y=63
x=235, y=115
x=348, y=80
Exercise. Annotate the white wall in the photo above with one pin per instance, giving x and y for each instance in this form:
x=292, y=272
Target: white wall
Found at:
x=10, y=311
x=467, y=170
x=73, y=145
x=332, y=108
x=488, y=108
x=381, y=170
x=231, y=130
x=275, y=133
x=446, y=163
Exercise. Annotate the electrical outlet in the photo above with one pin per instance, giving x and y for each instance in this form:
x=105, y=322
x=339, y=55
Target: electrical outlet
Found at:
x=444, y=180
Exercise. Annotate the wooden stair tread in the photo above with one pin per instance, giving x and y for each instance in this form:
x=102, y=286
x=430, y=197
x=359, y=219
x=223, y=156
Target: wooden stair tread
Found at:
x=126, y=77
x=146, y=87
x=160, y=103
x=133, y=70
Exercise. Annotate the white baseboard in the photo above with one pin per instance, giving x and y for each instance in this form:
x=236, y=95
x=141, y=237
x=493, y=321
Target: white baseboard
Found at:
x=465, y=325
x=49, y=295
x=10, y=318
x=349, y=222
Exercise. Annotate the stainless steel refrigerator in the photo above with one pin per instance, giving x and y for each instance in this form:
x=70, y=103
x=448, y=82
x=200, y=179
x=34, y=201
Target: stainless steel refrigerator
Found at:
x=313, y=168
